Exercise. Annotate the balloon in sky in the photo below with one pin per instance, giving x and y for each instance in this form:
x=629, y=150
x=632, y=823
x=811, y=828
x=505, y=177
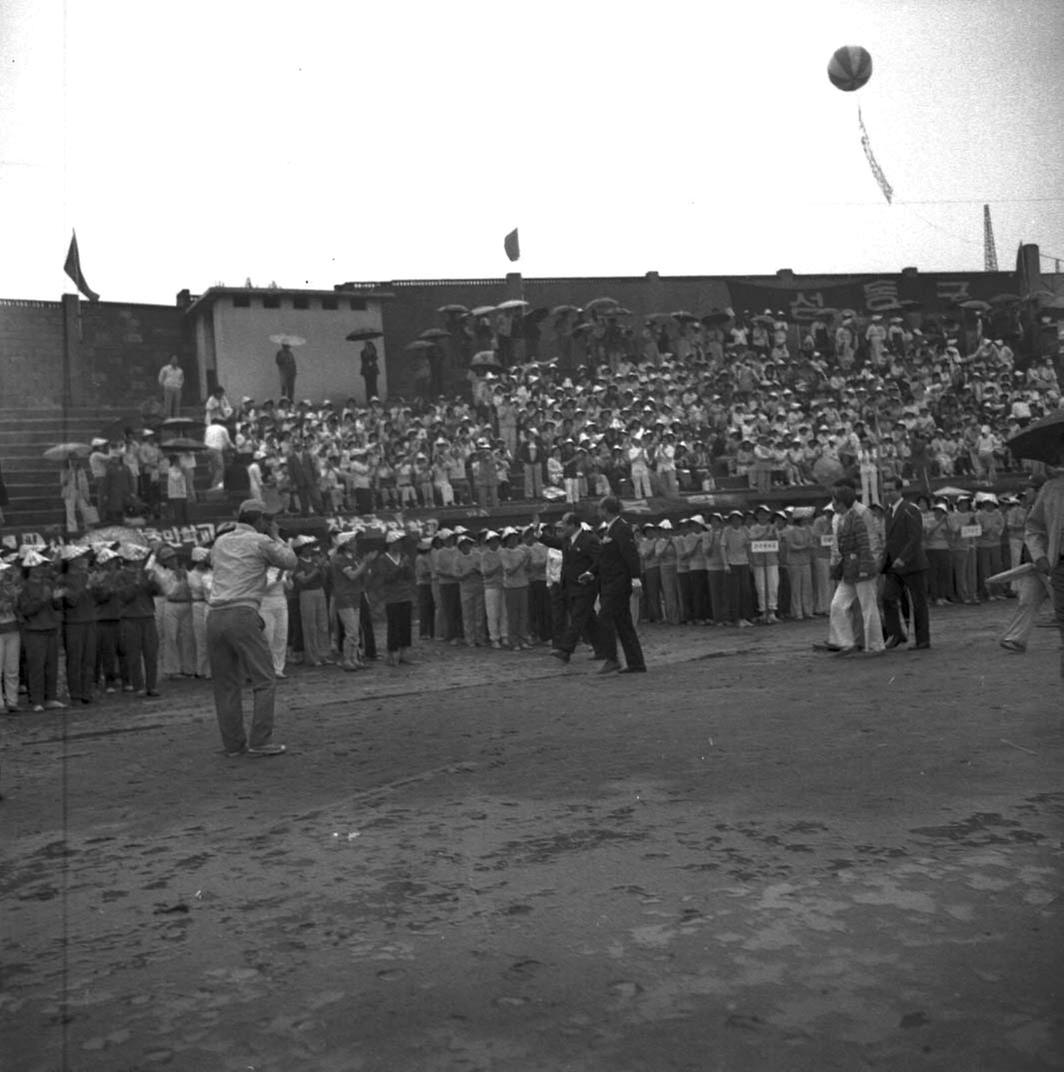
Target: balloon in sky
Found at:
x=850, y=68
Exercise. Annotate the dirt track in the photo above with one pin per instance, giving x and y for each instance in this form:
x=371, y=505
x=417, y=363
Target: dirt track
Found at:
x=764, y=859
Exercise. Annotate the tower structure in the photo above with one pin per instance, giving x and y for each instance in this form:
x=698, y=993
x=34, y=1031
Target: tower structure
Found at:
x=989, y=250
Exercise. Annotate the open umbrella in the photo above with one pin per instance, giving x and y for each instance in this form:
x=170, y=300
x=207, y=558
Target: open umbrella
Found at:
x=952, y=493
x=537, y=314
x=290, y=340
x=119, y=534
x=601, y=303
x=482, y=310
x=62, y=452
x=453, y=310
x=658, y=316
x=619, y=311
x=761, y=318
x=684, y=316
x=1042, y=441
x=564, y=310
x=512, y=303
x=183, y=445
x=435, y=333
x=975, y=305
x=420, y=344
x=1005, y=299
x=485, y=360
x=911, y=304
x=363, y=334
x=718, y=316
x=175, y=425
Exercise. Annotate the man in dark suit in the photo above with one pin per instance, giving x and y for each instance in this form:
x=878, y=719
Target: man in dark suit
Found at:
x=618, y=567
x=905, y=567
x=580, y=550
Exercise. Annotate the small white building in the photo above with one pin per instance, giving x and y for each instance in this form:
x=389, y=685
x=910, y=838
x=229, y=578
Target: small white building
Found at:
x=232, y=328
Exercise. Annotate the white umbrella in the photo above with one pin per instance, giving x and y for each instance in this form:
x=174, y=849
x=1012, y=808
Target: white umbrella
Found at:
x=513, y=303
x=288, y=340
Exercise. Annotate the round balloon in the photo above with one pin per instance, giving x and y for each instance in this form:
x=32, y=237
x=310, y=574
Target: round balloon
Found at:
x=850, y=68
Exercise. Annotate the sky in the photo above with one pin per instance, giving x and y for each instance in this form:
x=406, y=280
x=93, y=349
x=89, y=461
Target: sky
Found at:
x=308, y=144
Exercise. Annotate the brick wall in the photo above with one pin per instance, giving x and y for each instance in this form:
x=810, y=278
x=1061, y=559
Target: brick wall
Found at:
x=31, y=354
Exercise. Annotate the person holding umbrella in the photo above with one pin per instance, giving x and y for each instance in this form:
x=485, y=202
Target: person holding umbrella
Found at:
x=370, y=369
x=74, y=484
x=286, y=366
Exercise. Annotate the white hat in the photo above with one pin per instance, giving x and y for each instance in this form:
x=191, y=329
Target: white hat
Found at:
x=98, y=442
x=304, y=541
x=105, y=554
x=394, y=536
x=133, y=552
x=34, y=558
x=246, y=399
x=491, y=534
x=201, y=554
x=445, y=534
x=509, y=531
x=73, y=550
x=665, y=524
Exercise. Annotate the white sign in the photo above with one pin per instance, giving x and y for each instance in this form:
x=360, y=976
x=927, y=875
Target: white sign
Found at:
x=764, y=547
x=971, y=532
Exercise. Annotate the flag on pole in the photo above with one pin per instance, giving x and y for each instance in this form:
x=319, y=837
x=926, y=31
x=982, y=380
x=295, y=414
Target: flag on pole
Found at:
x=511, y=245
x=72, y=267
x=877, y=171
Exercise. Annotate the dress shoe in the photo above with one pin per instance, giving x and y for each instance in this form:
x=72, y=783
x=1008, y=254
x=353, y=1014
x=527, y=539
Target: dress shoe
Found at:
x=894, y=642
x=826, y=647
x=848, y=651
x=632, y=670
x=610, y=666
x=919, y=647
x=559, y=654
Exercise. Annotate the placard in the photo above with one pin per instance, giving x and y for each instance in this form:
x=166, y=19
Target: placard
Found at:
x=764, y=547
x=971, y=532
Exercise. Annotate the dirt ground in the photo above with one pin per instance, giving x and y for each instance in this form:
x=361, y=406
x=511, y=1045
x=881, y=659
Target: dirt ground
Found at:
x=752, y=857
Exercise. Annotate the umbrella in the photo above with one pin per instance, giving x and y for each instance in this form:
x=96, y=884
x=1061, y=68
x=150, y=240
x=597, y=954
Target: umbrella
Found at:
x=538, y=314
x=658, y=316
x=183, y=445
x=849, y=312
x=761, y=318
x=911, y=304
x=1004, y=299
x=482, y=310
x=598, y=303
x=564, y=310
x=420, y=344
x=62, y=452
x=952, y=493
x=976, y=305
x=684, y=316
x=1042, y=441
x=177, y=425
x=363, y=334
x=716, y=317
x=513, y=303
x=119, y=534
x=289, y=340
x=619, y=311
x=486, y=360
x=453, y=310
x=435, y=333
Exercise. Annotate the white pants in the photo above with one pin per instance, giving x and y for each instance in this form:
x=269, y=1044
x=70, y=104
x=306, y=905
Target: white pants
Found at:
x=199, y=633
x=641, y=484
x=178, y=646
x=869, y=484
x=495, y=609
x=10, y=648
x=767, y=583
x=274, y=612
x=572, y=489
x=840, y=625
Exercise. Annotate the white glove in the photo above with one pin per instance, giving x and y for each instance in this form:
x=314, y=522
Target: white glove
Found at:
x=637, y=585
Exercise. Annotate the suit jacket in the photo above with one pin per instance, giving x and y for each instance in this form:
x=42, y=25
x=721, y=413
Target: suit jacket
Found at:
x=1042, y=533
x=578, y=556
x=905, y=539
x=618, y=560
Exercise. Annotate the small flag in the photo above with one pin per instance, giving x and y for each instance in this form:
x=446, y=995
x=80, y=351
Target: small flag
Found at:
x=511, y=245
x=877, y=171
x=72, y=267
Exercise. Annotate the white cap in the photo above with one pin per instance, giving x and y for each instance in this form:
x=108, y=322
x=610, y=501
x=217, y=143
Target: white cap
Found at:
x=200, y=554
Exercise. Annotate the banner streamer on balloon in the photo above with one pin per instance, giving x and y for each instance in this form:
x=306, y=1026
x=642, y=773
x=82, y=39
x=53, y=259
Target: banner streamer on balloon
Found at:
x=873, y=163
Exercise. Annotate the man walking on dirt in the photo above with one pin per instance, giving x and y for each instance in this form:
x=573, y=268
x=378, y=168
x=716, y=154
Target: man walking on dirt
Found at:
x=235, y=638
x=618, y=570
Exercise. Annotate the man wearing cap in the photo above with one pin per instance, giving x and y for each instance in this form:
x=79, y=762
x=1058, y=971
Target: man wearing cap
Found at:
x=617, y=568
x=580, y=550
x=240, y=560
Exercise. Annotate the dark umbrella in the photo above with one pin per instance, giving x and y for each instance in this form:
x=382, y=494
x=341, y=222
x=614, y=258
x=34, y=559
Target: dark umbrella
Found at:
x=435, y=333
x=176, y=424
x=976, y=305
x=599, y=303
x=684, y=316
x=911, y=304
x=1005, y=299
x=537, y=314
x=420, y=344
x=182, y=444
x=456, y=310
x=564, y=310
x=761, y=318
x=718, y=316
x=485, y=361
x=363, y=335
x=1042, y=441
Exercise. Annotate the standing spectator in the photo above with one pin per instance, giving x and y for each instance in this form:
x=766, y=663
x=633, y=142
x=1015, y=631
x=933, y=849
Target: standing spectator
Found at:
x=470, y=590
x=905, y=565
x=79, y=623
x=370, y=370
x=348, y=585
x=177, y=492
x=139, y=635
x=857, y=572
x=240, y=559
x=494, y=598
x=618, y=571
x=426, y=604
x=393, y=576
x=75, y=492
x=515, y=557
x=10, y=642
x=797, y=537
x=286, y=367
x=218, y=407
x=116, y=490
x=40, y=632
x=177, y=635
x=309, y=579
x=200, y=581
x=216, y=440
x=486, y=476
x=171, y=380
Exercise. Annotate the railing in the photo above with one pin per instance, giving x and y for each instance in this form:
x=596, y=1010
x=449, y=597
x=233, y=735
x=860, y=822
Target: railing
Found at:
x=27, y=303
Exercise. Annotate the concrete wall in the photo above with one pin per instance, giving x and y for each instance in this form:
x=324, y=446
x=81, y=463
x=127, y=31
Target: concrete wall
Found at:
x=31, y=354
x=242, y=358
